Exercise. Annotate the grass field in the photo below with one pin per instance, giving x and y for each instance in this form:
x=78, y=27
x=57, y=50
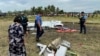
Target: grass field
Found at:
x=82, y=44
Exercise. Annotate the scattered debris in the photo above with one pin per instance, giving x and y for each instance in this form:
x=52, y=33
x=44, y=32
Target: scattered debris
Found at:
x=58, y=47
x=46, y=24
x=67, y=30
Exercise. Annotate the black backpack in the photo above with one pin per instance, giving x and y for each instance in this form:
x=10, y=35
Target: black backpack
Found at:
x=35, y=25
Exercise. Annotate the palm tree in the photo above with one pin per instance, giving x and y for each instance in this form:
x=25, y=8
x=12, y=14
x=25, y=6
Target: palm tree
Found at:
x=45, y=11
x=57, y=11
x=52, y=9
x=33, y=10
x=39, y=9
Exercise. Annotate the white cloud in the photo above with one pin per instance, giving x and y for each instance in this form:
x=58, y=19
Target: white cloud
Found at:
x=79, y=8
x=92, y=0
x=57, y=0
x=1, y=3
x=13, y=5
x=64, y=0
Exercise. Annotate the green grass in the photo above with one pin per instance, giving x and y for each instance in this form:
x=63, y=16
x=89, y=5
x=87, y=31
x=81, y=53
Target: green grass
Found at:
x=83, y=45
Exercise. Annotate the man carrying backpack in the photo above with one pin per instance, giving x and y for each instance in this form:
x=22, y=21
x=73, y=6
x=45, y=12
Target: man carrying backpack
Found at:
x=24, y=21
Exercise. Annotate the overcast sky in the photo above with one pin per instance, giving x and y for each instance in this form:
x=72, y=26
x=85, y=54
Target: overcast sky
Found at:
x=66, y=5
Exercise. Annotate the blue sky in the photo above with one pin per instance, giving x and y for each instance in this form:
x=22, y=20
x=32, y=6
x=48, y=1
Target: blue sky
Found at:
x=66, y=5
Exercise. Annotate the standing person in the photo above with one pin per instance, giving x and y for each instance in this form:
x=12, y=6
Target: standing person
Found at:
x=38, y=25
x=24, y=21
x=82, y=22
x=16, y=40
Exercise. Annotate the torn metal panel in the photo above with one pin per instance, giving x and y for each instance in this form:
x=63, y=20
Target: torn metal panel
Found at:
x=61, y=51
x=61, y=47
x=41, y=47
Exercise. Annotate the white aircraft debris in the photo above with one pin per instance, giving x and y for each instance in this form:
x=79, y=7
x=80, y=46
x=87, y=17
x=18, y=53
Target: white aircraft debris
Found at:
x=46, y=24
x=57, y=48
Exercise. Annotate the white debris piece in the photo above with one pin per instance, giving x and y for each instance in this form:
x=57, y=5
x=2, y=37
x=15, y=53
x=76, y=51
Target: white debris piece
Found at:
x=48, y=52
x=65, y=43
x=52, y=23
x=61, y=51
x=30, y=26
x=42, y=48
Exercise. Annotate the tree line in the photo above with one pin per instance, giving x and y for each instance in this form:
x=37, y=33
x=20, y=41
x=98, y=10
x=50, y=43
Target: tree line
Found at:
x=48, y=10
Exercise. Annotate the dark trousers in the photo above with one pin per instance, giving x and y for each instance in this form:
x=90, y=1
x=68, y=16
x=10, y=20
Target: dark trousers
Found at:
x=39, y=33
x=24, y=28
x=82, y=27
